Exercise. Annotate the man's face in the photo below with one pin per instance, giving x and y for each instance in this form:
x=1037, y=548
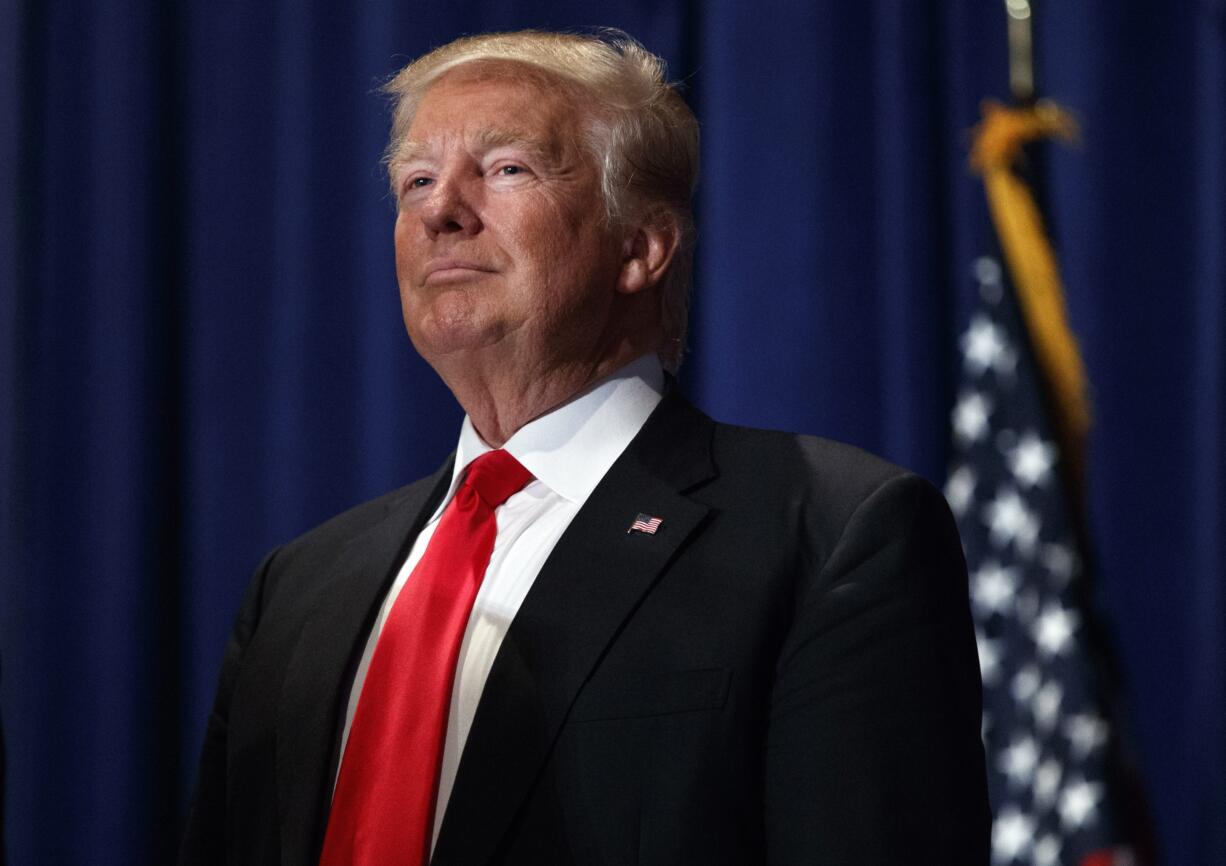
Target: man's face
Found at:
x=501, y=242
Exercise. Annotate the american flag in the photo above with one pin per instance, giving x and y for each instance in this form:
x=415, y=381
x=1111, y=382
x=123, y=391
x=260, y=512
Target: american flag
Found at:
x=1046, y=731
x=645, y=523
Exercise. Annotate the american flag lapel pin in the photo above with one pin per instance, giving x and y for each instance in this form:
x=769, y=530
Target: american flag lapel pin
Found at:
x=646, y=524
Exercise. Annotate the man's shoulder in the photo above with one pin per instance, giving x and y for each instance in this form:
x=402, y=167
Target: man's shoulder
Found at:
x=790, y=461
x=779, y=473
x=335, y=533
x=768, y=459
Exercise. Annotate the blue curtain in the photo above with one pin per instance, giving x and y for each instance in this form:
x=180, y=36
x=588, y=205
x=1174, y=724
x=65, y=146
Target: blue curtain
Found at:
x=201, y=351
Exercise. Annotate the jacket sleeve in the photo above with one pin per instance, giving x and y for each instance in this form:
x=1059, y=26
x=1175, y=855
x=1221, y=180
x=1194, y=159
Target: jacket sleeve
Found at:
x=873, y=752
x=205, y=839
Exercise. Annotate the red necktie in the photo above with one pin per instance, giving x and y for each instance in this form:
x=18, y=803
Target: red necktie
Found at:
x=383, y=806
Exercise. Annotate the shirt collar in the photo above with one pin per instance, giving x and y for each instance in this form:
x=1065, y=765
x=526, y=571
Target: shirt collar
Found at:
x=570, y=448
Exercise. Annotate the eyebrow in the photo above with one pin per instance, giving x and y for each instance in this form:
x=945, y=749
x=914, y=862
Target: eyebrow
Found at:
x=489, y=139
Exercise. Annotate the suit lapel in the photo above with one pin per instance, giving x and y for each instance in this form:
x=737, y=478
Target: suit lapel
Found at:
x=591, y=583
x=321, y=666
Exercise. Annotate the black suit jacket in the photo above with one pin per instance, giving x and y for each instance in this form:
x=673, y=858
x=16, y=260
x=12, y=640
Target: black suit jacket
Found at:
x=785, y=672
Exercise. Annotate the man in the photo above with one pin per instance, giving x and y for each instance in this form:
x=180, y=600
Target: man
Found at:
x=671, y=640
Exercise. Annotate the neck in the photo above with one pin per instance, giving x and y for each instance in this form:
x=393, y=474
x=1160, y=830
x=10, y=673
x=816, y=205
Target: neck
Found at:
x=501, y=400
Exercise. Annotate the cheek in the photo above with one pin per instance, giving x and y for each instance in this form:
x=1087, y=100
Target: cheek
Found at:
x=407, y=243
x=559, y=241
x=407, y=265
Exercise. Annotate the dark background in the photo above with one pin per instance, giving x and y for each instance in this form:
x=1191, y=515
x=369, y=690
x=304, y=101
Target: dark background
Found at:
x=201, y=351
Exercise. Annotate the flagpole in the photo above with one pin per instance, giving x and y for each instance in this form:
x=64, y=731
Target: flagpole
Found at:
x=1021, y=51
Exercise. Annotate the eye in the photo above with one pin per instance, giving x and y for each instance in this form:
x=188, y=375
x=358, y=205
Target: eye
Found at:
x=412, y=185
x=414, y=178
x=510, y=171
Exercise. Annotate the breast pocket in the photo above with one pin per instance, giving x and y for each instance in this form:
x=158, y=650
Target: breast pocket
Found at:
x=629, y=696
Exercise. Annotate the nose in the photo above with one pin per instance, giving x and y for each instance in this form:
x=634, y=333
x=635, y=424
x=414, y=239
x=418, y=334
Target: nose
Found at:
x=448, y=209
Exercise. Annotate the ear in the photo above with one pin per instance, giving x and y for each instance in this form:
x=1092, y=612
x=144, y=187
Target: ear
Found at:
x=647, y=252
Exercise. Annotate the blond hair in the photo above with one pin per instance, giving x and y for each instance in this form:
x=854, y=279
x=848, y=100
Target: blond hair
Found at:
x=641, y=134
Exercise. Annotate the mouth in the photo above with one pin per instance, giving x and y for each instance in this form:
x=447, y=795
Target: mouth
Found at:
x=452, y=270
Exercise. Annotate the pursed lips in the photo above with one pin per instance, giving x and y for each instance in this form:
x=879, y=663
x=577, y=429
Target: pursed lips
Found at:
x=444, y=270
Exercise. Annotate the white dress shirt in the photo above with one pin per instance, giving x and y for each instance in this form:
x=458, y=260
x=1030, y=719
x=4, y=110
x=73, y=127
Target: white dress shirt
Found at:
x=567, y=451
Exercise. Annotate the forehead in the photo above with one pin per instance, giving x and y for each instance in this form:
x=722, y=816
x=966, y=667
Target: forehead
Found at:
x=491, y=105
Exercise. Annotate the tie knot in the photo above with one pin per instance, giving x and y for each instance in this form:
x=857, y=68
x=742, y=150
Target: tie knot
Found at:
x=495, y=476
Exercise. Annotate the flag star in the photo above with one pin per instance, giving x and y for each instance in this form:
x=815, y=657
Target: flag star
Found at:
x=1085, y=732
x=984, y=346
x=1011, y=834
x=989, y=658
x=1046, y=705
x=1019, y=760
x=1025, y=683
x=1078, y=802
x=993, y=586
x=1047, y=783
x=1054, y=629
x=960, y=489
x=1031, y=460
x=1046, y=851
x=971, y=417
x=1010, y=521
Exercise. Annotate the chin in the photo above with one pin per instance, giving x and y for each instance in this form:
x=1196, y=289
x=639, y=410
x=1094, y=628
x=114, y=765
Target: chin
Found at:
x=443, y=324
x=439, y=337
